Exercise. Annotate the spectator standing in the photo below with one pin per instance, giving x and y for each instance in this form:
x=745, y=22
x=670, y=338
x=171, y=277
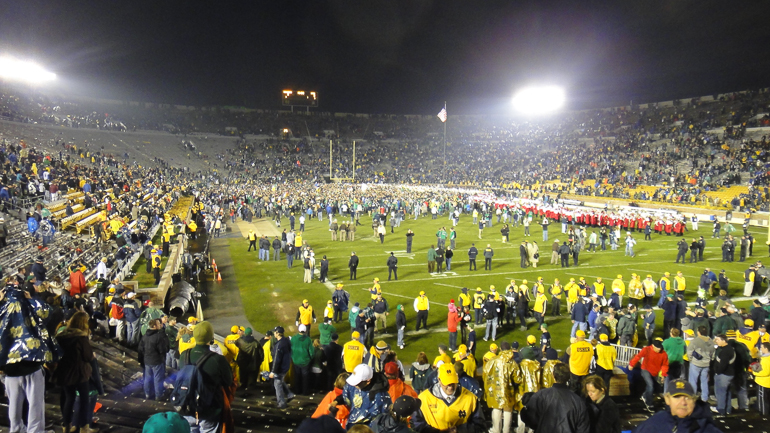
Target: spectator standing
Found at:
x=654, y=363
x=602, y=410
x=724, y=371
x=446, y=405
x=421, y=307
x=556, y=409
x=250, y=356
x=700, y=352
x=762, y=379
x=581, y=353
x=366, y=394
x=152, y=351
x=281, y=363
x=301, y=355
x=683, y=412
x=488, y=254
x=473, y=252
x=75, y=368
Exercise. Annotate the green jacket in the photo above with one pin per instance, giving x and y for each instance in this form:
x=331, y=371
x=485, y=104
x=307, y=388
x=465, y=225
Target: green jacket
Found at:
x=326, y=330
x=431, y=255
x=724, y=324
x=301, y=350
x=171, y=333
x=674, y=347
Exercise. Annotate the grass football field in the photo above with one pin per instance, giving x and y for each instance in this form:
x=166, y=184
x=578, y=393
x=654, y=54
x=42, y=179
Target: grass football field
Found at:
x=271, y=293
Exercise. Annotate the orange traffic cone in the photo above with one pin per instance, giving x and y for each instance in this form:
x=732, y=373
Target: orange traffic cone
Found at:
x=219, y=277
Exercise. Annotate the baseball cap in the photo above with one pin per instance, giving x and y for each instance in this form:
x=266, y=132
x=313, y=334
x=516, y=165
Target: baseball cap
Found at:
x=531, y=339
x=203, y=333
x=247, y=331
x=680, y=387
x=422, y=293
x=603, y=337
x=361, y=373
x=391, y=368
x=405, y=406
x=748, y=323
x=131, y=295
x=356, y=335
x=447, y=374
x=302, y=328
x=580, y=333
x=279, y=329
x=305, y=301
x=544, y=325
x=462, y=349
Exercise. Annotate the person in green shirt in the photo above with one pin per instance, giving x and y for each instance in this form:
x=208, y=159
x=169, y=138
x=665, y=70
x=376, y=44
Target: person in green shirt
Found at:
x=675, y=348
x=172, y=358
x=301, y=354
x=326, y=329
x=215, y=368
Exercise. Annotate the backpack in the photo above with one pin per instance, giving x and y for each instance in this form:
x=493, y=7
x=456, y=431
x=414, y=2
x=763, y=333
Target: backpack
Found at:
x=193, y=389
x=420, y=379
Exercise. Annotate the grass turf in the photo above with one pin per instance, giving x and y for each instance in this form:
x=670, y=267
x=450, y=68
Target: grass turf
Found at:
x=271, y=293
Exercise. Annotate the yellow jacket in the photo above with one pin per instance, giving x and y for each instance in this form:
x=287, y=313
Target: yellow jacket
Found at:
x=680, y=284
x=580, y=356
x=605, y=356
x=352, y=354
x=465, y=300
x=619, y=286
x=441, y=416
x=762, y=378
x=572, y=291
x=478, y=300
x=540, y=303
x=232, y=349
x=599, y=288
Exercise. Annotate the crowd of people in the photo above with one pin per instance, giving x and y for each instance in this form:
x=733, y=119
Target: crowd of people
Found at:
x=498, y=170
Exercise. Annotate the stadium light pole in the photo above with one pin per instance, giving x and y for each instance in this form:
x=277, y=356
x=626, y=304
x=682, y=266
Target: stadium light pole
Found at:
x=330, y=159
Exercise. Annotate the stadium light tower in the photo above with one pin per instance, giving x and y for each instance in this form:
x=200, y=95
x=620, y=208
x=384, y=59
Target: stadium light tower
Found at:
x=18, y=70
x=539, y=100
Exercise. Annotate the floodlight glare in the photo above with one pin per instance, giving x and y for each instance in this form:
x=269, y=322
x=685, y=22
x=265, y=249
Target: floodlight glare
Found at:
x=539, y=100
x=18, y=70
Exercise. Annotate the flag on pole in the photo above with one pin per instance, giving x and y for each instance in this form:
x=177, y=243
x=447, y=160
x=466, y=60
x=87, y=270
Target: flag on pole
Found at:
x=442, y=114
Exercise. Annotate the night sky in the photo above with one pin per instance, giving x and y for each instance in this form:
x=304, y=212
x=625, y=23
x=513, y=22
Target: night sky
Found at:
x=393, y=56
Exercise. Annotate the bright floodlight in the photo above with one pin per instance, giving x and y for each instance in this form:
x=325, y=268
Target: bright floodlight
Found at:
x=19, y=70
x=538, y=100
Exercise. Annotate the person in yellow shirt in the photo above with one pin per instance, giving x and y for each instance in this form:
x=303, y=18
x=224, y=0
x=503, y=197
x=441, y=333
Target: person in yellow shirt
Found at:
x=353, y=352
x=329, y=310
x=305, y=315
x=581, y=353
x=679, y=284
x=493, y=351
x=375, y=289
x=478, y=303
x=556, y=292
x=469, y=362
x=635, y=290
x=465, y=299
x=599, y=287
x=436, y=414
x=443, y=356
x=619, y=288
x=252, y=237
x=540, y=306
x=605, y=359
x=232, y=350
x=572, y=293
x=762, y=379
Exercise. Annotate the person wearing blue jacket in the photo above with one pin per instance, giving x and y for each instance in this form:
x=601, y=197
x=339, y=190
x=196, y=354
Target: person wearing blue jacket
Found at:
x=579, y=317
x=132, y=312
x=281, y=365
x=684, y=412
x=366, y=394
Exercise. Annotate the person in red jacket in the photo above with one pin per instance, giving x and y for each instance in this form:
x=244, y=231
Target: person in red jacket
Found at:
x=77, y=281
x=452, y=320
x=654, y=363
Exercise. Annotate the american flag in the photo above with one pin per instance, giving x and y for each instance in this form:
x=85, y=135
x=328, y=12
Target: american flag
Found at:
x=442, y=114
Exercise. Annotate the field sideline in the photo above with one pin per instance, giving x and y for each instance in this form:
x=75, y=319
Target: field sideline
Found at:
x=271, y=293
